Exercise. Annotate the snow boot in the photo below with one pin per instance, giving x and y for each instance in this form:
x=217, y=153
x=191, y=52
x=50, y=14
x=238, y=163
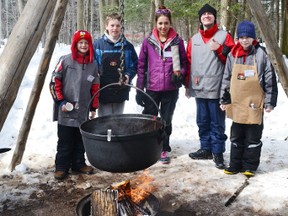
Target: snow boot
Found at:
x=231, y=171
x=219, y=161
x=201, y=154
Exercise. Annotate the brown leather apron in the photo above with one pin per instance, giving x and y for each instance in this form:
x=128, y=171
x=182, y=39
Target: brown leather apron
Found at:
x=247, y=96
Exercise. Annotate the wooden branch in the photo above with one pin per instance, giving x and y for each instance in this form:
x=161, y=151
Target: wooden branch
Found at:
x=57, y=19
x=275, y=54
x=24, y=38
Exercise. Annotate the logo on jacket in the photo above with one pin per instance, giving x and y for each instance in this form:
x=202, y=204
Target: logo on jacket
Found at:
x=113, y=63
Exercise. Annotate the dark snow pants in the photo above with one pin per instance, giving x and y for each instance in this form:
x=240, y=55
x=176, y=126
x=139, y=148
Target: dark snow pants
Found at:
x=70, y=149
x=211, y=124
x=167, y=102
x=245, y=146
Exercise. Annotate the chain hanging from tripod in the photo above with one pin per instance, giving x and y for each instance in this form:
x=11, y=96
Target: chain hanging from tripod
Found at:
x=121, y=68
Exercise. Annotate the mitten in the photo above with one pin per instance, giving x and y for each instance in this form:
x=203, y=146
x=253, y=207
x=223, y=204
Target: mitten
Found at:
x=226, y=98
x=177, y=80
x=140, y=98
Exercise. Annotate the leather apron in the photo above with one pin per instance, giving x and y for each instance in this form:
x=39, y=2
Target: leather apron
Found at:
x=247, y=96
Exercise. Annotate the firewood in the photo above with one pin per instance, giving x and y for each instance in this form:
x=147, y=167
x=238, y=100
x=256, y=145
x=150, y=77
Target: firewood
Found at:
x=104, y=202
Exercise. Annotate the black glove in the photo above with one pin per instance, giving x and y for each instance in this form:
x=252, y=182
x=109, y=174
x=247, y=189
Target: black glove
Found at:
x=140, y=98
x=226, y=98
x=177, y=80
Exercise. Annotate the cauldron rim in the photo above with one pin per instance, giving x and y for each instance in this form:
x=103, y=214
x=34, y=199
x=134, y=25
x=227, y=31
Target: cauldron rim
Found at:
x=118, y=137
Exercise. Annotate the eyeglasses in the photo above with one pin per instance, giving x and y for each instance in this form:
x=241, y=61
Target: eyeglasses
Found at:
x=163, y=11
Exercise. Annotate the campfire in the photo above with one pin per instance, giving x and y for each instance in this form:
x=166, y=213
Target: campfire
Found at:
x=127, y=198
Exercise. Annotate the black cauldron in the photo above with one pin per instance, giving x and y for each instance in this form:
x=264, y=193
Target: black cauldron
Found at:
x=125, y=142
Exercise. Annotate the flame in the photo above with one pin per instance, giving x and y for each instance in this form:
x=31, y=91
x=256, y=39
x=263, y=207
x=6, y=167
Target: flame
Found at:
x=136, y=189
x=143, y=187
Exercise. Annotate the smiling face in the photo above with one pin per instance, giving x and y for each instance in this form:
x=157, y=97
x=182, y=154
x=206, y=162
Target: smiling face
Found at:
x=113, y=28
x=246, y=42
x=207, y=19
x=82, y=46
x=163, y=25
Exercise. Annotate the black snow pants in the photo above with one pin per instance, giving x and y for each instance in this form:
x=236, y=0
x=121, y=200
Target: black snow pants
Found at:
x=245, y=146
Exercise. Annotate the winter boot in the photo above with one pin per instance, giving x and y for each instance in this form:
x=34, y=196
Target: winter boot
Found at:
x=231, y=171
x=219, y=161
x=164, y=158
x=249, y=173
x=201, y=154
x=60, y=175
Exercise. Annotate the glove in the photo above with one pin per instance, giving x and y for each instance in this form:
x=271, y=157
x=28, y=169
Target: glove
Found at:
x=177, y=80
x=226, y=98
x=140, y=98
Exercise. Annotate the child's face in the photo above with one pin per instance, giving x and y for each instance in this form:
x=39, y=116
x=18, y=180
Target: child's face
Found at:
x=246, y=42
x=114, y=28
x=83, y=46
x=163, y=25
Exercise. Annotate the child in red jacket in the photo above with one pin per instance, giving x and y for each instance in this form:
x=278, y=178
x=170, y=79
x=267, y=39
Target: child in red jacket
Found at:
x=74, y=81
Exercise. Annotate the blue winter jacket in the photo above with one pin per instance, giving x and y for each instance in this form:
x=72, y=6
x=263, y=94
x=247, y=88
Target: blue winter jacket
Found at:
x=104, y=45
x=108, y=57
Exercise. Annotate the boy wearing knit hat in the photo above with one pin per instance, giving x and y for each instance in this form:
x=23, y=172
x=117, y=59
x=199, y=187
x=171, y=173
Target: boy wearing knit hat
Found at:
x=74, y=81
x=206, y=52
x=248, y=88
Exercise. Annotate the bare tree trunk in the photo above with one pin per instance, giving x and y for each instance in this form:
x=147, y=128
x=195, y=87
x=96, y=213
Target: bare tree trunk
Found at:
x=21, y=5
x=73, y=21
x=101, y=16
x=92, y=17
x=86, y=17
x=114, y=3
x=233, y=22
x=284, y=43
x=276, y=18
x=1, y=35
x=272, y=46
x=14, y=64
x=158, y=3
x=247, y=12
x=39, y=82
x=152, y=15
x=80, y=14
x=7, y=18
x=224, y=14
x=186, y=30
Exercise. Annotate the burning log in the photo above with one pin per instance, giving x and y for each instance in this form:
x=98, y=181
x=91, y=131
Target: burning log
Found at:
x=104, y=202
x=125, y=204
x=123, y=200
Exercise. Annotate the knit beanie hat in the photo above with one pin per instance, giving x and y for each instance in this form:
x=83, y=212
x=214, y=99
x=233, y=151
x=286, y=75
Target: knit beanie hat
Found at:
x=79, y=35
x=207, y=8
x=247, y=29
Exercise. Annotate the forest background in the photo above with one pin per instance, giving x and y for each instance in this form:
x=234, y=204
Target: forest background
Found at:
x=139, y=17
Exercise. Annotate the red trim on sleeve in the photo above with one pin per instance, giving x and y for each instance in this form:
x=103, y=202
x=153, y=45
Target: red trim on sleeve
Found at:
x=189, y=55
x=94, y=89
x=58, y=90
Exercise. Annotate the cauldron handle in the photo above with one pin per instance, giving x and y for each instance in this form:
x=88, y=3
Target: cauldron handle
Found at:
x=121, y=84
